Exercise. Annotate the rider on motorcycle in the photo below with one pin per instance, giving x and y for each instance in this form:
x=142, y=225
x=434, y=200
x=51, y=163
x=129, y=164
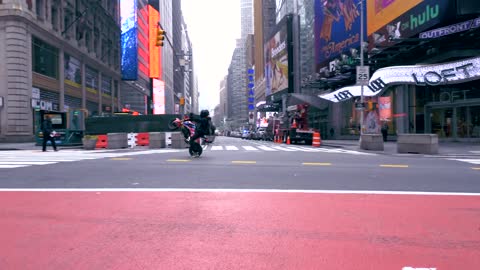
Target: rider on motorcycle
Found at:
x=203, y=125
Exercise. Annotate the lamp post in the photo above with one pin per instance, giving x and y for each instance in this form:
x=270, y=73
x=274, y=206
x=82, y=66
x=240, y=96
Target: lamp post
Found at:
x=362, y=63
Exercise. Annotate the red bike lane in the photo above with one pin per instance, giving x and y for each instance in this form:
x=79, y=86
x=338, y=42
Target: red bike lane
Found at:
x=237, y=230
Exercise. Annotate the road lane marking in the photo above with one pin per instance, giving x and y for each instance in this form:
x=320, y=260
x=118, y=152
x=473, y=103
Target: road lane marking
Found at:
x=12, y=166
x=242, y=190
x=26, y=162
x=316, y=164
x=178, y=160
x=216, y=147
x=249, y=148
x=120, y=158
x=393, y=166
x=266, y=148
x=476, y=168
x=283, y=149
x=243, y=162
x=231, y=147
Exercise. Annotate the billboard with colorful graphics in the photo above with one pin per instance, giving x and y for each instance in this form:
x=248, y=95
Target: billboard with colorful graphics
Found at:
x=158, y=96
x=337, y=28
x=143, y=32
x=401, y=19
x=278, y=58
x=155, y=52
x=129, y=39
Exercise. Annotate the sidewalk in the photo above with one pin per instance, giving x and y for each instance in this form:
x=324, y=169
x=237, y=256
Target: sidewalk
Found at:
x=390, y=148
x=31, y=146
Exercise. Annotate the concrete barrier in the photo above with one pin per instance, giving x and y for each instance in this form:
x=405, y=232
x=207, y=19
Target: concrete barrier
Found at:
x=157, y=140
x=117, y=140
x=178, y=141
x=417, y=143
x=371, y=142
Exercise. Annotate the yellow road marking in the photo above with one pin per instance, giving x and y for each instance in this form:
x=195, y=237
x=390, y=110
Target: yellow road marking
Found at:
x=121, y=158
x=393, y=166
x=476, y=168
x=178, y=160
x=243, y=162
x=317, y=164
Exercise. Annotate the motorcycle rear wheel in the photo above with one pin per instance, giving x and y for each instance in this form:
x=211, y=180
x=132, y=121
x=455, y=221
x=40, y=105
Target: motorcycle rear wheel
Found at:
x=195, y=150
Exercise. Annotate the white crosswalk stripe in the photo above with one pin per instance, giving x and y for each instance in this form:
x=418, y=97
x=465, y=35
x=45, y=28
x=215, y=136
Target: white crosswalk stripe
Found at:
x=284, y=148
x=471, y=161
x=26, y=158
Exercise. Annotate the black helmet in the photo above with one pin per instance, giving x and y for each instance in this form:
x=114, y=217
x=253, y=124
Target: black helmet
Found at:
x=204, y=113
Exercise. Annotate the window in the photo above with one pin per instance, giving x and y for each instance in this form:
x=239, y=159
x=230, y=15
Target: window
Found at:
x=45, y=58
x=54, y=18
x=39, y=9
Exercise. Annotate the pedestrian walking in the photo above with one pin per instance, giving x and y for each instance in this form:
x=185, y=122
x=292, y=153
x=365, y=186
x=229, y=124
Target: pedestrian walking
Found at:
x=384, y=131
x=48, y=133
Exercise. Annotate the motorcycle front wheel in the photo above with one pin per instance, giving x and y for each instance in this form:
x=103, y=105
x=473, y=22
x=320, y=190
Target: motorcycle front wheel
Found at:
x=172, y=125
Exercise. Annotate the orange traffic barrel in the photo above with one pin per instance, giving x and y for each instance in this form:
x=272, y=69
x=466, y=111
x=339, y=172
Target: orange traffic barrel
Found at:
x=317, y=141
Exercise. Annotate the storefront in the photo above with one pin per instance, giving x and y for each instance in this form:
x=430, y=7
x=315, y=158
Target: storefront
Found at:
x=452, y=112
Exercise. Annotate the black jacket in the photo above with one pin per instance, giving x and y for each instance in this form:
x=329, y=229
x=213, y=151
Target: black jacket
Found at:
x=203, y=124
x=47, y=126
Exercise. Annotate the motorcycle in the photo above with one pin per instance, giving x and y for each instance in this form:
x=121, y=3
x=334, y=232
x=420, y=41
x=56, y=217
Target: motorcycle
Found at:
x=187, y=127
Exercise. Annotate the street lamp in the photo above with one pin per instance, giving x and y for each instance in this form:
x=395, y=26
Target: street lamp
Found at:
x=362, y=65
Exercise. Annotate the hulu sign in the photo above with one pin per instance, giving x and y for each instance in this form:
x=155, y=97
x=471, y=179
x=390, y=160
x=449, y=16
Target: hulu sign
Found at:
x=423, y=16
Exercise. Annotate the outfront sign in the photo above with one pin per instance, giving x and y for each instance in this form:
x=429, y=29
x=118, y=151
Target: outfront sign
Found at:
x=440, y=74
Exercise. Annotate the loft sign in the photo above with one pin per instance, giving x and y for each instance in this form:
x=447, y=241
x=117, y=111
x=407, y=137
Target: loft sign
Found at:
x=421, y=75
x=443, y=76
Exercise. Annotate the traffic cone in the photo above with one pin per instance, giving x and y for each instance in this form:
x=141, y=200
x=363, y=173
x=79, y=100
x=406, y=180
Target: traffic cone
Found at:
x=288, y=139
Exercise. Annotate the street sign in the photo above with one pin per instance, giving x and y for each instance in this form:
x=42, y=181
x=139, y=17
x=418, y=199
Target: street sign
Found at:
x=363, y=75
x=359, y=106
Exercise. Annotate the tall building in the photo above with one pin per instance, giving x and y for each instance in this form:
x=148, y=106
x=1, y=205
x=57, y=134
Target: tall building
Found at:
x=166, y=20
x=246, y=17
x=264, y=18
x=57, y=56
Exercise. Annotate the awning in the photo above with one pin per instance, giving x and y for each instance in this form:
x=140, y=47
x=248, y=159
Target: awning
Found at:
x=315, y=101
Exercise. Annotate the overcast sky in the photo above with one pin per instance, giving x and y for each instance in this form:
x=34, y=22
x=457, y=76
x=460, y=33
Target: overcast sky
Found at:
x=213, y=27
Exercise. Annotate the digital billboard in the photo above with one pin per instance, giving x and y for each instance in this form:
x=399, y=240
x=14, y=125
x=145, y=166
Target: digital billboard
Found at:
x=155, y=53
x=404, y=19
x=143, y=32
x=337, y=28
x=129, y=39
x=158, y=96
x=382, y=12
x=276, y=62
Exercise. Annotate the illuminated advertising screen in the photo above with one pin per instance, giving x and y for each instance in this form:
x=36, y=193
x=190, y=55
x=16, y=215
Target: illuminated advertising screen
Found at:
x=276, y=62
x=129, y=39
x=337, y=28
x=404, y=18
x=158, y=96
x=143, y=39
x=155, y=53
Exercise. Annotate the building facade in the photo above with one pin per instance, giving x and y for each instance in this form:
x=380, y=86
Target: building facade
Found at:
x=59, y=55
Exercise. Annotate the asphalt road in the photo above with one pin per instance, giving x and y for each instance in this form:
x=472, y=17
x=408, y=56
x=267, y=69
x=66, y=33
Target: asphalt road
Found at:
x=242, y=205
x=232, y=163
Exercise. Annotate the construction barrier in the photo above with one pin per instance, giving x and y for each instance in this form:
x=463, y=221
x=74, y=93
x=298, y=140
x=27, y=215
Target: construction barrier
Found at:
x=132, y=140
x=143, y=139
x=317, y=141
x=102, y=141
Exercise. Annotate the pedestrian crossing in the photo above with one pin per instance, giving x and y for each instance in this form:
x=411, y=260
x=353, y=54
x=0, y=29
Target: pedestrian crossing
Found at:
x=273, y=148
x=27, y=158
x=468, y=160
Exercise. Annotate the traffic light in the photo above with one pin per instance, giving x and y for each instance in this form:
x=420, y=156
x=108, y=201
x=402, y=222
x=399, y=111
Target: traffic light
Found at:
x=160, y=37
